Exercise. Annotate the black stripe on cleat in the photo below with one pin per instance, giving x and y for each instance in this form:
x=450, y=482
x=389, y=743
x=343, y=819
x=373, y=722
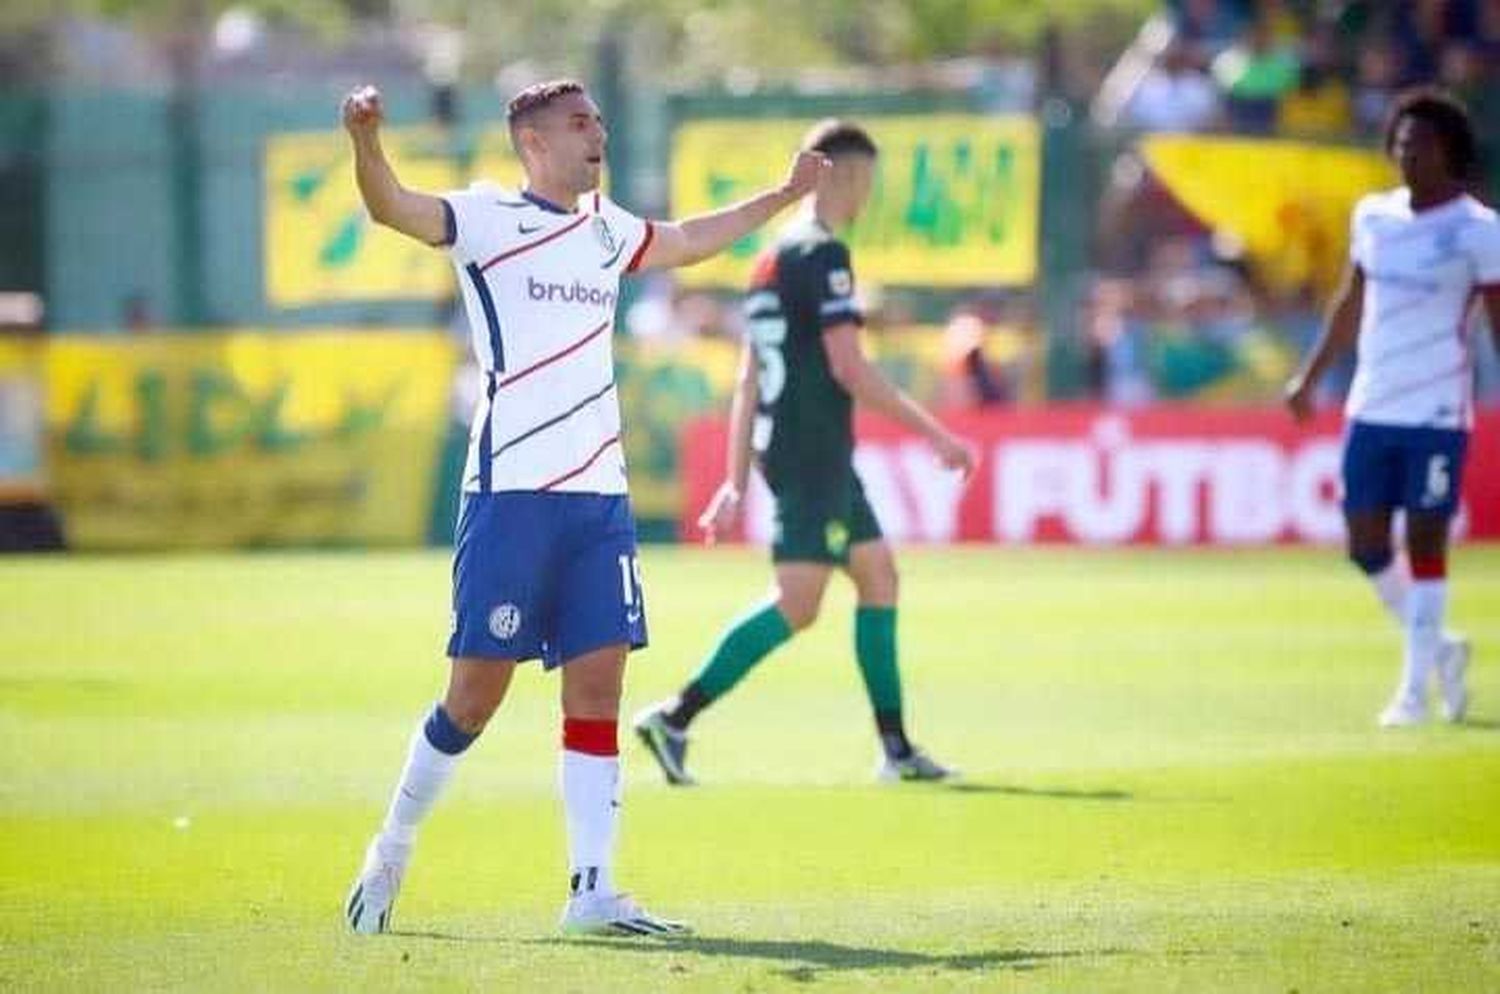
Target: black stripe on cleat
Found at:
x=648, y=925
x=353, y=900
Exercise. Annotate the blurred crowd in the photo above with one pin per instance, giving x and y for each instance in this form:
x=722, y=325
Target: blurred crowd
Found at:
x=1172, y=309
x=1310, y=68
x=1175, y=309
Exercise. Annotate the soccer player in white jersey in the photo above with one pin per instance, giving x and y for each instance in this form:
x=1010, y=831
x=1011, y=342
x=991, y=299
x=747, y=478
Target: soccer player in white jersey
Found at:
x=545, y=555
x=1419, y=256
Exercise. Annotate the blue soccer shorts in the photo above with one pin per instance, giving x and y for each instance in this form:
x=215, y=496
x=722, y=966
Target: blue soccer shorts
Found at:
x=546, y=576
x=1391, y=466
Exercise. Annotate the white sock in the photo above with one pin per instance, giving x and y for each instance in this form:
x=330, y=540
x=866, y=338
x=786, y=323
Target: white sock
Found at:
x=1426, y=602
x=591, y=800
x=423, y=778
x=1391, y=586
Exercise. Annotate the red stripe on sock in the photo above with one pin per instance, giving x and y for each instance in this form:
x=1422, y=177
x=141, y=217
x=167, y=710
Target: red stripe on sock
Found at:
x=597, y=738
x=1429, y=567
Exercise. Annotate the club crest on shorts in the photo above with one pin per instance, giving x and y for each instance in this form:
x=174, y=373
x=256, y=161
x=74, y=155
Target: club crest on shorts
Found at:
x=836, y=537
x=505, y=621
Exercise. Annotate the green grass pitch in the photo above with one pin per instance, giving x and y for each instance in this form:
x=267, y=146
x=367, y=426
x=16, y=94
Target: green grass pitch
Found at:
x=1174, y=782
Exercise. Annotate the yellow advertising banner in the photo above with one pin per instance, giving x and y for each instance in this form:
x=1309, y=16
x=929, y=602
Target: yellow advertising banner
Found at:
x=955, y=199
x=321, y=247
x=246, y=438
x=1288, y=202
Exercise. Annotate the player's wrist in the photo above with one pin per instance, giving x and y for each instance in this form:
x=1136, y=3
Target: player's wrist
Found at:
x=785, y=195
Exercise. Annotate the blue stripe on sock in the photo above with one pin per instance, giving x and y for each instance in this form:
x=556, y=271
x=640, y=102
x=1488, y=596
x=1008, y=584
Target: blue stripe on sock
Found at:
x=444, y=735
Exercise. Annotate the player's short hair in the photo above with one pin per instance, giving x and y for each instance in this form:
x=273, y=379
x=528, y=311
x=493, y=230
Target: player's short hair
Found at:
x=536, y=98
x=834, y=137
x=1448, y=116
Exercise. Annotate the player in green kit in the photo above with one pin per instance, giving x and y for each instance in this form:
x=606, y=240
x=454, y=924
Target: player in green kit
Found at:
x=802, y=371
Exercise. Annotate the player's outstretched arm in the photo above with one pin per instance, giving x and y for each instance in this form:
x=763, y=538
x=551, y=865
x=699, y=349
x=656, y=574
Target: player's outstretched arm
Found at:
x=725, y=507
x=863, y=381
x=681, y=243
x=1339, y=334
x=418, y=215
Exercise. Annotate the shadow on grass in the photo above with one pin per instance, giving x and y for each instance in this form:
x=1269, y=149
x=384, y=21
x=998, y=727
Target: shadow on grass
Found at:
x=807, y=959
x=1054, y=793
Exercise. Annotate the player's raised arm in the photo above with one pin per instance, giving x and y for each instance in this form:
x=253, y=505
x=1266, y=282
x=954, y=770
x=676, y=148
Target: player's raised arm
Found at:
x=1339, y=334
x=419, y=215
x=681, y=243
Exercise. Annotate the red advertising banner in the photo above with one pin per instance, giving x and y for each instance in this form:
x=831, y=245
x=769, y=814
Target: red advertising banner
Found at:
x=1154, y=476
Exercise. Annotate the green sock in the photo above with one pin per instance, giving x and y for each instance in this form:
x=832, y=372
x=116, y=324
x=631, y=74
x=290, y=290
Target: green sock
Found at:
x=746, y=643
x=875, y=647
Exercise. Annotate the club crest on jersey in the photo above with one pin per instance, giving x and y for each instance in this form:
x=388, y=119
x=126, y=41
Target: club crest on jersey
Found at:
x=841, y=282
x=608, y=241
x=505, y=621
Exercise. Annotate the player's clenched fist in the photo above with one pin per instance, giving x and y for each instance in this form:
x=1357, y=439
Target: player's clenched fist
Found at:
x=362, y=110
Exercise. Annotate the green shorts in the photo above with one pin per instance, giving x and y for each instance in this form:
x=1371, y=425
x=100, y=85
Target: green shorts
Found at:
x=817, y=520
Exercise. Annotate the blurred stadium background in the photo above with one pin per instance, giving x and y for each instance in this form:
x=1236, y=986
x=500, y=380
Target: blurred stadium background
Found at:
x=1094, y=222
x=1099, y=239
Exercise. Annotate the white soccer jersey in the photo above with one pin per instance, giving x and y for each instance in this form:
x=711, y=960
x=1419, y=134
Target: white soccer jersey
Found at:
x=1423, y=270
x=540, y=286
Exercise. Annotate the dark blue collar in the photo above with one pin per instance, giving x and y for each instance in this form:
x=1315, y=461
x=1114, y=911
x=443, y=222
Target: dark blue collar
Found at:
x=544, y=203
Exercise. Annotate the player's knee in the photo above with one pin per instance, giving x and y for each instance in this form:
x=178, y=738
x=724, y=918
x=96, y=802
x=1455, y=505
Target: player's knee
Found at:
x=470, y=712
x=591, y=703
x=799, y=613
x=1371, y=560
x=881, y=587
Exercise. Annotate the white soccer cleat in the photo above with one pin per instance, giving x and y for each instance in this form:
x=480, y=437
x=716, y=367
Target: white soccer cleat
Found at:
x=1452, y=665
x=1403, y=712
x=368, y=909
x=918, y=766
x=614, y=914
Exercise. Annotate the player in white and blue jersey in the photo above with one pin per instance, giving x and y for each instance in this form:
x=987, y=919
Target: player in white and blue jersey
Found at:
x=1419, y=257
x=545, y=560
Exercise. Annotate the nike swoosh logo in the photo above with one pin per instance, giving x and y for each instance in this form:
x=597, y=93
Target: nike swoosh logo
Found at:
x=523, y=229
x=631, y=617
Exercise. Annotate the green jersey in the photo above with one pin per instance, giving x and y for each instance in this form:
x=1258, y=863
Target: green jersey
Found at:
x=803, y=285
